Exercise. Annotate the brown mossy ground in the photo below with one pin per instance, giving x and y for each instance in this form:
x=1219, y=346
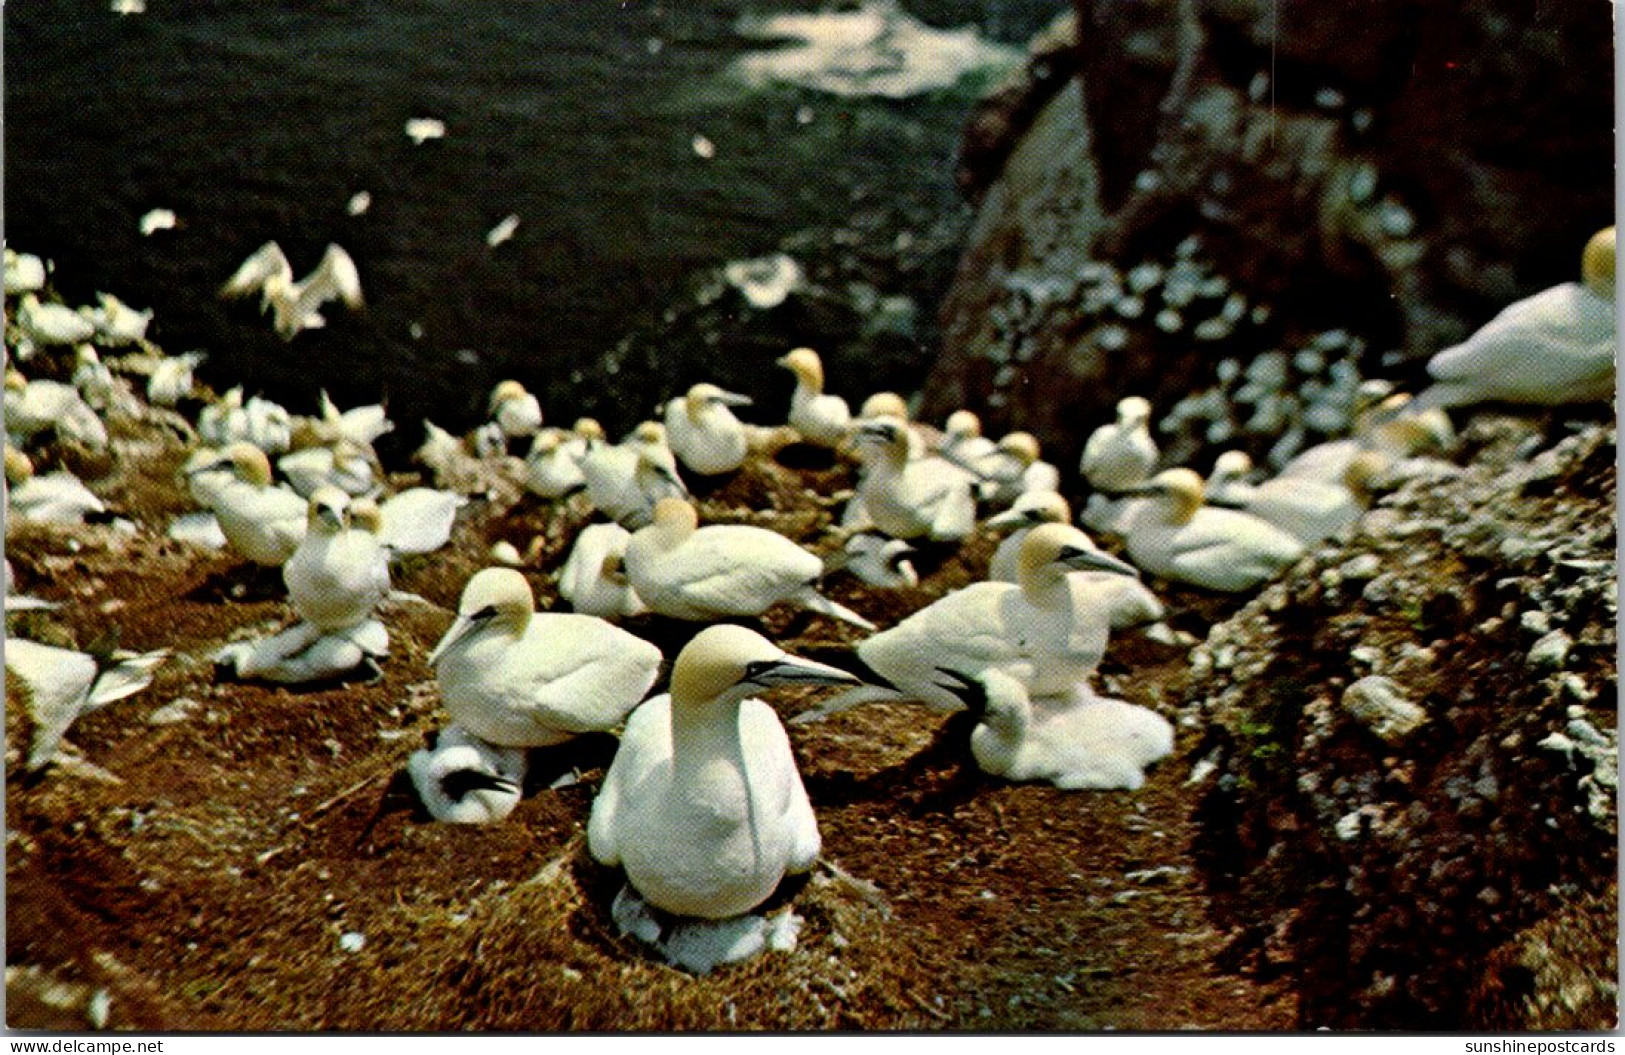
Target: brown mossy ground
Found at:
x=202, y=871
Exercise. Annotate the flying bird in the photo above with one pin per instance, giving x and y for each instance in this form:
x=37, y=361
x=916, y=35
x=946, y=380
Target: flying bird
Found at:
x=296, y=305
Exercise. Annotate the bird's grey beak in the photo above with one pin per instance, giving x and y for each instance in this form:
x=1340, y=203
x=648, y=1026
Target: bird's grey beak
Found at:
x=1008, y=518
x=1080, y=559
x=734, y=399
x=332, y=516
x=793, y=670
x=460, y=628
x=1140, y=490
x=211, y=464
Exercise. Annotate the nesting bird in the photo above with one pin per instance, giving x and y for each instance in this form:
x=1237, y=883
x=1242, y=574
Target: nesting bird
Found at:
x=552, y=469
x=1123, y=454
x=1555, y=347
x=461, y=779
x=171, y=379
x=33, y=407
x=339, y=574
x=295, y=306
x=1172, y=534
x=519, y=678
x=48, y=323
x=56, y=498
x=703, y=805
x=906, y=495
x=593, y=578
x=625, y=481
x=685, y=571
x=965, y=446
x=1077, y=741
x=516, y=412
x=1305, y=507
x=262, y=521
x=877, y=560
x=703, y=432
x=1047, y=631
x=819, y=418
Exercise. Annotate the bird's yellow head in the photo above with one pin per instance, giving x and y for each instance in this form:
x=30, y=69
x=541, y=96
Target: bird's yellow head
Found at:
x=1022, y=446
x=249, y=463
x=498, y=598
x=725, y=663
x=805, y=364
x=1133, y=411
x=963, y=425
x=1181, y=490
x=19, y=468
x=1597, y=263
x=505, y=392
x=884, y=404
x=328, y=508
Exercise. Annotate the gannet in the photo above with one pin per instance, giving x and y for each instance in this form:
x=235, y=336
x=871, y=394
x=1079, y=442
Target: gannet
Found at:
x=361, y=425
x=503, y=231
x=224, y=420
x=1227, y=484
x=347, y=465
x=116, y=322
x=422, y=129
x=1046, y=630
x=906, y=495
x=56, y=498
x=625, y=481
x=685, y=571
x=593, y=578
x=516, y=412
x=878, y=561
x=1552, y=348
x=551, y=469
x=765, y=282
x=965, y=446
x=263, y=522
x=703, y=432
x=1077, y=741
x=302, y=653
x=1016, y=468
x=47, y=323
x=1173, y=535
x=94, y=380
x=1392, y=424
x=820, y=419
x=154, y=220
x=417, y=520
x=519, y=678
x=338, y=575
x=1123, y=454
x=24, y=272
x=462, y=779
x=1025, y=513
x=32, y=407
x=63, y=684
x=884, y=405
x=450, y=461
x=703, y=805
x=295, y=305
x=171, y=379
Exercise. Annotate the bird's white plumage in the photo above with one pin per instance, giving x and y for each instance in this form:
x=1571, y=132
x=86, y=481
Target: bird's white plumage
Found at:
x=703, y=805
x=625, y=481
x=1171, y=534
x=464, y=780
x=64, y=684
x=721, y=570
x=55, y=498
x=553, y=466
x=347, y=465
x=515, y=411
x=262, y=521
x=46, y=322
x=593, y=578
x=33, y=407
x=519, y=678
x=879, y=561
x=1075, y=741
x=819, y=418
x=339, y=574
x=171, y=379
x=302, y=653
x=418, y=520
x=703, y=432
x=1049, y=631
x=1122, y=454
x=1555, y=347
x=295, y=305
x=24, y=272
x=906, y=494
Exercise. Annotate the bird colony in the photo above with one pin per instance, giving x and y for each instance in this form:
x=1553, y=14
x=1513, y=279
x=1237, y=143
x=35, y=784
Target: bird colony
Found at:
x=702, y=806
